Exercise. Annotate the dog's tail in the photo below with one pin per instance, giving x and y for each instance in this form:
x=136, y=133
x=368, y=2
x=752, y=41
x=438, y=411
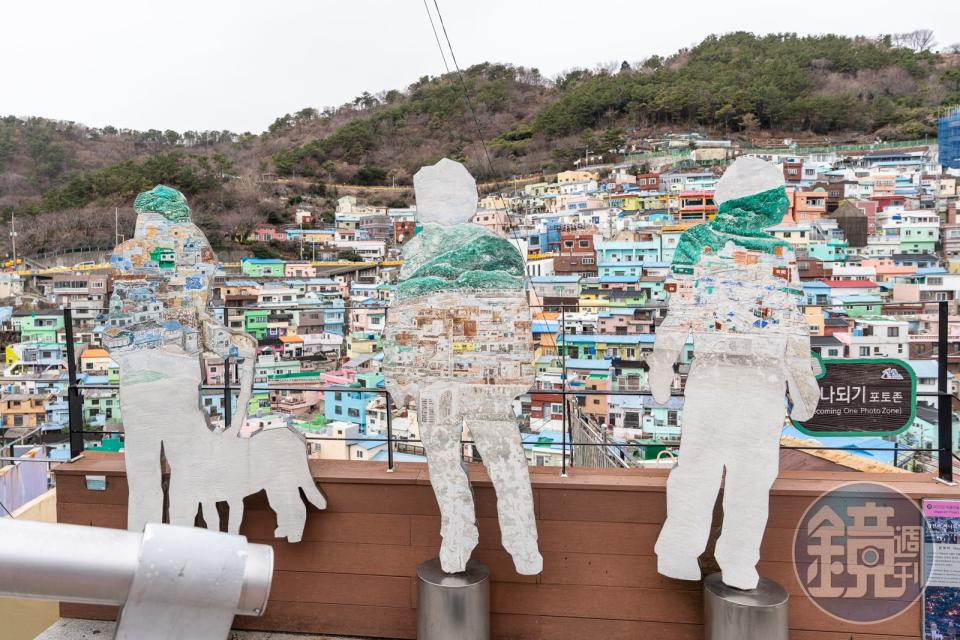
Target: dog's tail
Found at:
x=313, y=494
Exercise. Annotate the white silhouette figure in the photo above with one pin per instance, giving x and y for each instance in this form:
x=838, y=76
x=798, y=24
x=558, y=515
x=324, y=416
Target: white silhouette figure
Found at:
x=458, y=340
x=736, y=291
x=156, y=326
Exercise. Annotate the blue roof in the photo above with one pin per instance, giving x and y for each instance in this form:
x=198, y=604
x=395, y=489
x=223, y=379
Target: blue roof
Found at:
x=926, y=368
x=854, y=445
x=580, y=363
x=372, y=443
x=642, y=401
x=930, y=271
x=815, y=284
x=581, y=338
x=551, y=439
x=262, y=260
x=618, y=279
x=545, y=326
x=860, y=298
x=625, y=263
x=550, y=279
x=398, y=456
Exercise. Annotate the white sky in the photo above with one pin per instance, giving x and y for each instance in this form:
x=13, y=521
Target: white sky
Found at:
x=238, y=64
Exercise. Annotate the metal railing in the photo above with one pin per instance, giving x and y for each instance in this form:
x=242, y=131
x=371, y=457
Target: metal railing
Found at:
x=943, y=448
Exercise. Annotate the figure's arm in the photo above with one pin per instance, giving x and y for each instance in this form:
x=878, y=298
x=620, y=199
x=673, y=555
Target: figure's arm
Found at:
x=671, y=337
x=219, y=339
x=801, y=380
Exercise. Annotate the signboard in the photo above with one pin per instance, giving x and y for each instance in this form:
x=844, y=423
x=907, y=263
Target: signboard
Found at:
x=941, y=564
x=875, y=396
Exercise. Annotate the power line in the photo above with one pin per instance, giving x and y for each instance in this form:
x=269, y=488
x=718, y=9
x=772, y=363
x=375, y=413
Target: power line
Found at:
x=514, y=232
x=436, y=37
x=466, y=96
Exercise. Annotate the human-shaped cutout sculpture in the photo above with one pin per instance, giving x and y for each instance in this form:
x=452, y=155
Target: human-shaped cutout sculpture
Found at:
x=735, y=291
x=458, y=341
x=156, y=329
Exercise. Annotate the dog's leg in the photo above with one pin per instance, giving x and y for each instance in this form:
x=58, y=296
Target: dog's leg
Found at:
x=236, y=515
x=285, y=500
x=210, y=514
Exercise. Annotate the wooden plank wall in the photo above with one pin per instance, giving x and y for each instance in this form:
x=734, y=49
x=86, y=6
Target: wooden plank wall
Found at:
x=354, y=572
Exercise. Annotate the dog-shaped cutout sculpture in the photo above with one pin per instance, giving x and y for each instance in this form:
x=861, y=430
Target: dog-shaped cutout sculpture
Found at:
x=157, y=328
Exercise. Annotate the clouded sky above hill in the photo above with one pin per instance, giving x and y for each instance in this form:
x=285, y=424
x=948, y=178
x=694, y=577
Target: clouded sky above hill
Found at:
x=238, y=64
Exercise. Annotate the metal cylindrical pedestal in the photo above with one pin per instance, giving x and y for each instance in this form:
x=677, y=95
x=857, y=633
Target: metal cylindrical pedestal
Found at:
x=732, y=614
x=453, y=605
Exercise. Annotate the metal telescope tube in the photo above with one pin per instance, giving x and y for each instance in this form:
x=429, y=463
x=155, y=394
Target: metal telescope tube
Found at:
x=94, y=565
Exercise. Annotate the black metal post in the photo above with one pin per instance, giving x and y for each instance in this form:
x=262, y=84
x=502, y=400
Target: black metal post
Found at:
x=563, y=398
x=227, y=395
x=944, y=401
x=74, y=401
x=389, y=407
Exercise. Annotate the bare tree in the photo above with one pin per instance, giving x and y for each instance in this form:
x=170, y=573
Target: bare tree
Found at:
x=919, y=40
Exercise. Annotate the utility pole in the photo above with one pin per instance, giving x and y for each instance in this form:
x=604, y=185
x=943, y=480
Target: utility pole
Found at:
x=301, y=241
x=13, y=238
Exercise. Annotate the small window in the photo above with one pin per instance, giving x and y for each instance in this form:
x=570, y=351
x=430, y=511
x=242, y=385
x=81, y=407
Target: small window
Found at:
x=864, y=352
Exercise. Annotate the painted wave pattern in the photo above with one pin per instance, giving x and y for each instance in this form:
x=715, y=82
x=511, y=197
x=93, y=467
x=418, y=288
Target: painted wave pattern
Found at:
x=457, y=258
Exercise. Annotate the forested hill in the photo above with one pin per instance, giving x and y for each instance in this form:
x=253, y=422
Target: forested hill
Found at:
x=739, y=85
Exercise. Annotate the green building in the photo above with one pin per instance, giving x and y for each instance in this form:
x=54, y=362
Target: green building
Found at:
x=164, y=257
x=262, y=267
x=255, y=322
x=39, y=327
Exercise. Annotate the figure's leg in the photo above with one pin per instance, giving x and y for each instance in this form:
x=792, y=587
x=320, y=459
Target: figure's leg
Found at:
x=691, y=491
x=751, y=467
x=142, y=449
x=499, y=443
x=441, y=441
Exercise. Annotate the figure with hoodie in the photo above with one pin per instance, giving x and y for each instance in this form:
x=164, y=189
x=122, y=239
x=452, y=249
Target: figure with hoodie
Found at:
x=735, y=292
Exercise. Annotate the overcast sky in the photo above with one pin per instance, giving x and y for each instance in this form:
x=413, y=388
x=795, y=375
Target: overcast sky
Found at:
x=238, y=64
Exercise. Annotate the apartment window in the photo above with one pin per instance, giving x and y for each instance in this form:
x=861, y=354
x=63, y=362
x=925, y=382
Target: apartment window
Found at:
x=893, y=332
x=359, y=453
x=864, y=352
x=584, y=244
x=337, y=396
x=353, y=413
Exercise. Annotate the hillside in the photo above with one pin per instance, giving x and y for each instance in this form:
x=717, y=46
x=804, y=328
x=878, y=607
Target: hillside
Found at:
x=739, y=85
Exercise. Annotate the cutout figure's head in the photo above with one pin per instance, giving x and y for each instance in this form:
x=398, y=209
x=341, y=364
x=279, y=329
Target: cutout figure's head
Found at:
x=750, y=197
x=747, y=176
x=166, y=201
x=446, y=193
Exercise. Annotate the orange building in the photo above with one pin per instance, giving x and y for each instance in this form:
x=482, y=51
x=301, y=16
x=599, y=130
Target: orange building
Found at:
x=807, y=206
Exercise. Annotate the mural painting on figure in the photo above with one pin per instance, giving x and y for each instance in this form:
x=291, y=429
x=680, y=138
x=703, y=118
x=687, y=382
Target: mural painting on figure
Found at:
x=157, y=328
x=458, y=343
x=734, y=292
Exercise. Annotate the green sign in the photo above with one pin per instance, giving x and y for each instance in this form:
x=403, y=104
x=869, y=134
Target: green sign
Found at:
x=863, y=397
